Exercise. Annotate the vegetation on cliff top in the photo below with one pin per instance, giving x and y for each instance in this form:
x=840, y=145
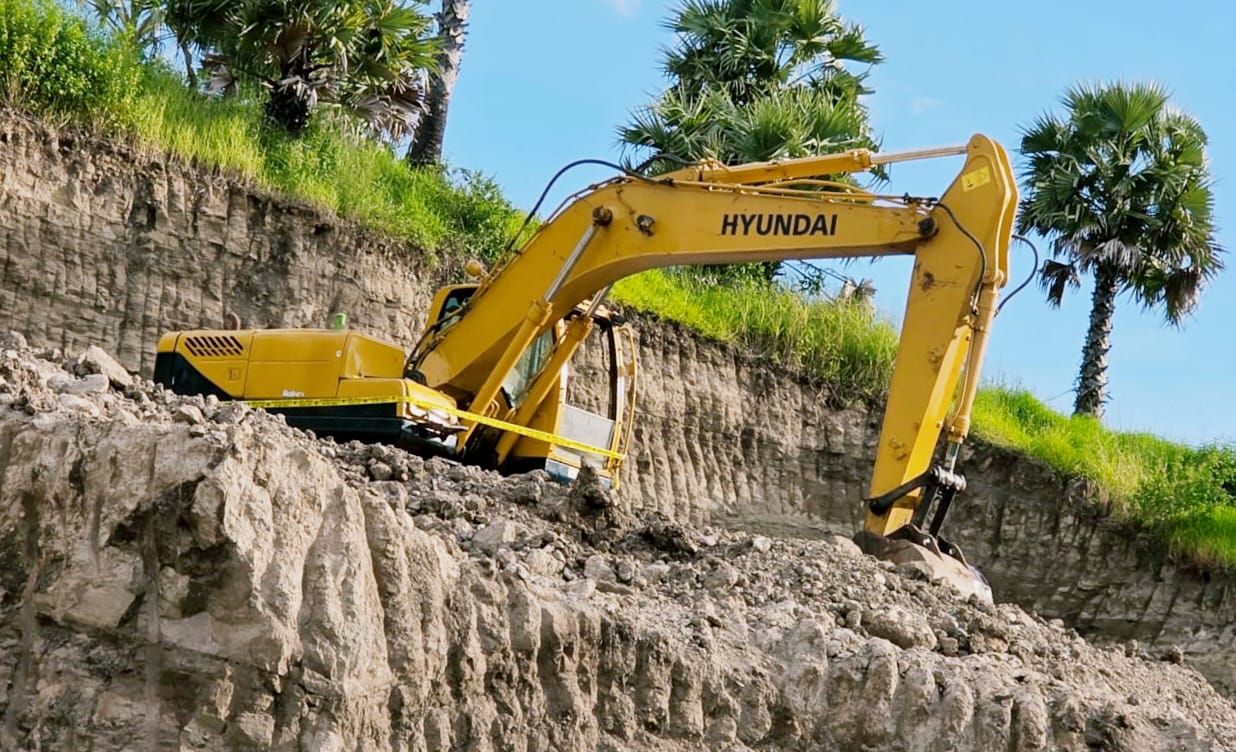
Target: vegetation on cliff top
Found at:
x=55, y=64
x=1184, y=493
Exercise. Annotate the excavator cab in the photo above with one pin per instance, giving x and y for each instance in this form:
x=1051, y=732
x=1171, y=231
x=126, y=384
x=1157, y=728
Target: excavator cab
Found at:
x=580, y=395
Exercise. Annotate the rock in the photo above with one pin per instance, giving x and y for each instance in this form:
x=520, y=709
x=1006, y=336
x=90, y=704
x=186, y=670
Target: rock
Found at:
x=78, y=404
x=91, y=384
x=380, y=471
x=543, y=563
x=845, y=546
x=625, y=571
x=499, y=533
x=13, y=340
x=655, y=572
x=232, y=412
x=722, y=577
x=588, y=491
x=95, y=360
x=598, y=568
x=761, y=544
x=190, y=414
x=528, y=488
x=293, y=602
x=903, y=628
x=914, y=570
x=582, y=588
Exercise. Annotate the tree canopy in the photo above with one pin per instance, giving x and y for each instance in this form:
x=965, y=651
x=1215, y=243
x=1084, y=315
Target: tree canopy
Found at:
x=756, y=80
x=366, y=56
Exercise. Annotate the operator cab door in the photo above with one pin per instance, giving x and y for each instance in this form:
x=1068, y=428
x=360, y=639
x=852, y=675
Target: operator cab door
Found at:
x=592, y=406
x=590, y=402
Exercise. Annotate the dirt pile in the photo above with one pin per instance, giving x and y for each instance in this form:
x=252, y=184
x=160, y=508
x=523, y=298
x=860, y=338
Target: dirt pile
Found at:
x=195, y=575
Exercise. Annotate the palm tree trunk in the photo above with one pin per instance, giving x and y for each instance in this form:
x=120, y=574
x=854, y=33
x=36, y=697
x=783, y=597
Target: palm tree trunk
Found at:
x=188, y=56
x=1092, y=381
x=426, y=146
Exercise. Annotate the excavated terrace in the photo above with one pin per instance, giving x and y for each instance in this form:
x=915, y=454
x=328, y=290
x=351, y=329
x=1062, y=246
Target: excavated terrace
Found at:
x=183, y=574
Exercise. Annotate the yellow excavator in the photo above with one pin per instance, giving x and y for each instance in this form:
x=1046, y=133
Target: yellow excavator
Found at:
x=486, y=383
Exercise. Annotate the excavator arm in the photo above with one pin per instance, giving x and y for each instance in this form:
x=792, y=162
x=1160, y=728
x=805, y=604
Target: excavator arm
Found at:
x=713, y=214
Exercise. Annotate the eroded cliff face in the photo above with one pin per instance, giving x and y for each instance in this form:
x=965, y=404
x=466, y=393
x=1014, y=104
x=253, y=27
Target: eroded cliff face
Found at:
x=103, y=245
x=180, y=574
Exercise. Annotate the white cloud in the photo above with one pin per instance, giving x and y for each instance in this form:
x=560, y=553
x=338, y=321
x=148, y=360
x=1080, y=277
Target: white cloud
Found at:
x=624, y=7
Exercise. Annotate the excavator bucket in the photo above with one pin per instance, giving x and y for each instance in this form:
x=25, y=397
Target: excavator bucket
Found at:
x=936, y=559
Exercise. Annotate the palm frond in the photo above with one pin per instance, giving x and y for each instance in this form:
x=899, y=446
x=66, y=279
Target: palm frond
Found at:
x=1122, y=181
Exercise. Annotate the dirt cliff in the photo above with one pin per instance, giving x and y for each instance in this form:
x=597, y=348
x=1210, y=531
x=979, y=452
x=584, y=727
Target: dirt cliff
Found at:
x=101, y=244
x=179, y=574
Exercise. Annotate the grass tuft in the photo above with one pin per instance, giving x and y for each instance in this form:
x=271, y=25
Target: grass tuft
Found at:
x=55, y=64
x=846, y=346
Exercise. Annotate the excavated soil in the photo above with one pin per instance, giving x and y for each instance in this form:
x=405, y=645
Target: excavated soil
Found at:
x=184, y=574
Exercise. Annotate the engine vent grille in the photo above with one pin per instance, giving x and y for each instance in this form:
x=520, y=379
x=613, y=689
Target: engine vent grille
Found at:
x=214, y=346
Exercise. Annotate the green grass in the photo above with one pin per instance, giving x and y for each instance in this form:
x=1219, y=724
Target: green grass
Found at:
x=846, y=346
x=1183, y=493
x=329, y=166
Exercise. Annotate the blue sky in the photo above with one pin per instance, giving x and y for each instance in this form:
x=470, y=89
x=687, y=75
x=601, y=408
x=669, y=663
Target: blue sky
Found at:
x=547, y=82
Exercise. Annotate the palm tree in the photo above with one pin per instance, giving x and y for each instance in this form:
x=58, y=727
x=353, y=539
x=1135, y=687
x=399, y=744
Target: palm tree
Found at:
x=426, y=146
x=1122, y=188
x=755, y=80
x=367, y=56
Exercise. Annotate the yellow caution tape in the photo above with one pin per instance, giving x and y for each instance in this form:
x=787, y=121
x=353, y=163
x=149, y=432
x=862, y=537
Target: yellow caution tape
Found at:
x=483, y=420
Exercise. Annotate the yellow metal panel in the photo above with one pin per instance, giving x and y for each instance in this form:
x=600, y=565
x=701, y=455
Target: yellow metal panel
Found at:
x=219, y=355
x=365, y=356
x=228, y=375
x=298, y=345
x=294, y=363
x=395, y=389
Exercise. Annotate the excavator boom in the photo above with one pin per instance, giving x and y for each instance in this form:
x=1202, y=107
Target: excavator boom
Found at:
x=714, y=214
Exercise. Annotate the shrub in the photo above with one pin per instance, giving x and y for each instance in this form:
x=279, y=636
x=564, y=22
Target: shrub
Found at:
x=53, y=63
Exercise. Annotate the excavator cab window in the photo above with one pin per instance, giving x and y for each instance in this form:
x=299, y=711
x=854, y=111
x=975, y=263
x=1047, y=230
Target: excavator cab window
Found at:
x=516, y=383
x=454, y=302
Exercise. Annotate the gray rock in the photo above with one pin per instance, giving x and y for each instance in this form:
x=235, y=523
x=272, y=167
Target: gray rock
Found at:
x=598, y=568
x=625, y=570
x=722, y=577
x=583, y=587
x=95, y=360
x=903, y=628
x=66, y=384
x=190, y=414
x=13, y=340
x=543, y=563
x=656, y=571
x=380, y=471
x=499, y=533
